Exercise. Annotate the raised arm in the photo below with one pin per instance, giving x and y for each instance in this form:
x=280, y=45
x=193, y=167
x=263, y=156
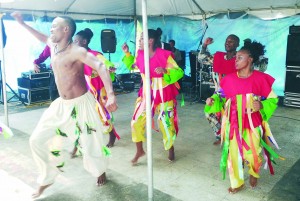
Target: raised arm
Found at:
x=128, y=59
x=40, y=36
x=100, y=67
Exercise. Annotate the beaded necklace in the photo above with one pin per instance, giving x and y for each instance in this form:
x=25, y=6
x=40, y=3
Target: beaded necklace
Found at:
x=63, y=49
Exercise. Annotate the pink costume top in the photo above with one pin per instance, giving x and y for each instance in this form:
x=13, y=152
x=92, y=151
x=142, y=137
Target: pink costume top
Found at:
x=161, y=91
x=95, y=86
x=95, y=78
x=222, y=65
x=258, y=84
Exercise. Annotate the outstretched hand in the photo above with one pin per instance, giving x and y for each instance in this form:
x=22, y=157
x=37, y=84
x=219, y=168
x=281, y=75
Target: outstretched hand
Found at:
x=111, y=104
x=18, y=17
x=209, y=101
x=125, y=48
x=208, y=41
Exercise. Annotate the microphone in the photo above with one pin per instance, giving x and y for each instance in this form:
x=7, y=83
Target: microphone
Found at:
x=132, y=41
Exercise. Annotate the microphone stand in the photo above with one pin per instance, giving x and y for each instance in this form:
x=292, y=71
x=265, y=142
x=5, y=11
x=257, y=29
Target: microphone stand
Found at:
x=199, y=71
x=200, y=44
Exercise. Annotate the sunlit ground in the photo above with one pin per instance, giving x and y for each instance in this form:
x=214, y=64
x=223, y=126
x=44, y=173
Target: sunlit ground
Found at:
x=13, y=189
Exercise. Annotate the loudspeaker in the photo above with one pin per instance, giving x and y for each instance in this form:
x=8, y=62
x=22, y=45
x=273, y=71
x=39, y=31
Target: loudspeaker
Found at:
x=29, y=96
x=33, y=84
x=293, y=50
x=292, y=80
x=108, y=41
x=294, y=29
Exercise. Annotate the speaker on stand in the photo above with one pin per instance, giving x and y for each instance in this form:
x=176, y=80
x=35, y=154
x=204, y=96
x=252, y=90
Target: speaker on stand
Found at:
x=108, y=41
x=108, y=45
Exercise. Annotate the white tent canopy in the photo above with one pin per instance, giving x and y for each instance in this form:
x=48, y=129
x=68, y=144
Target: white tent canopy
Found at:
x=97, y=9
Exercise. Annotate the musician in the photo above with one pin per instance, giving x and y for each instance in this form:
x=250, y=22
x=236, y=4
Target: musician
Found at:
x=43, y=57
x=223, y=63
x=176, y=52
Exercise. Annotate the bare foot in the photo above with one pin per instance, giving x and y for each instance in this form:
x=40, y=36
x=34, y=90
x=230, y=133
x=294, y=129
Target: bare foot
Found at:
x=73, y=153
x=112, y=139
x=136, y=157
x=253, y=181
x=101, y=180
x=235, y=190
x=171, y=154
x=39, y=192
x=217, y=142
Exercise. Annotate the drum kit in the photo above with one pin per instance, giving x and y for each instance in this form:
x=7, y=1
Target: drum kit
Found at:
x=204, y=85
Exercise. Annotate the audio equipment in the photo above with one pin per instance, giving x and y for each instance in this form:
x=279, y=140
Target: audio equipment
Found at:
x=293, y=50
x=108, y=41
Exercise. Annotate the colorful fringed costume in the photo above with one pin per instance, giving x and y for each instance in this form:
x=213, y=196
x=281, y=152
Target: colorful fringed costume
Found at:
x=163, y=96
x=221, y=67
x=96, y=86
x=245, y=133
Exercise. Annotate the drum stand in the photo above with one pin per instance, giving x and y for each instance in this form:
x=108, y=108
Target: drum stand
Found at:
x=198, y=82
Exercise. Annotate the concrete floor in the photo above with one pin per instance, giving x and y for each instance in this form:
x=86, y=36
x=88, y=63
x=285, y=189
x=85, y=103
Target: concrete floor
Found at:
x=194, y=176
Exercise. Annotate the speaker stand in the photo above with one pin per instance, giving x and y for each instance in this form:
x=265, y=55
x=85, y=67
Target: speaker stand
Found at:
x=2, y=92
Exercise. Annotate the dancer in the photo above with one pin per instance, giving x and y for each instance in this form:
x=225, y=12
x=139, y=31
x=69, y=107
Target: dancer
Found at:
x=95, y=84
x=223, y=63
x=73, y=115
x=245, y=130
x=164, y=74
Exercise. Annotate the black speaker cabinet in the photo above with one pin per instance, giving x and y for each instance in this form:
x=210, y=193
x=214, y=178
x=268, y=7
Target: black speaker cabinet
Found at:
x=292, y=89
x=292, y=80
x=33, y=84
x=29, y=96
x=108, y=41
x=293, y=50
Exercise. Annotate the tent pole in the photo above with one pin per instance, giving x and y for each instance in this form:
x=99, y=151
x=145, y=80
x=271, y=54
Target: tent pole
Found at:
x=3, y=76
x=135, y=26
x=148, y=102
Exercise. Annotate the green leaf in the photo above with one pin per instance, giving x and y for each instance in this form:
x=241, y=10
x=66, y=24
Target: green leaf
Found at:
x=89, y=129
x=61, y=165
x=55, y=153
x=74, y=113
x=106, y=151
x=59, y=132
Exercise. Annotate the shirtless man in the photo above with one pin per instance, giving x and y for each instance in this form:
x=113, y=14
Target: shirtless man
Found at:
x=73, y=114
